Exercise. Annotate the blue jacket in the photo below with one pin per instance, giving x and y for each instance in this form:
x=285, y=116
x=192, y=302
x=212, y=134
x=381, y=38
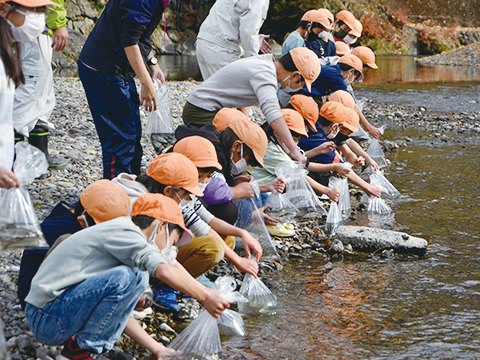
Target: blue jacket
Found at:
x=322, y=48
x=123, y=23
x=315, y=139
x=329, y=81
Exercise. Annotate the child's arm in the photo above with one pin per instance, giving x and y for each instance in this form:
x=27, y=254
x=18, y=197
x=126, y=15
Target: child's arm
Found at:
x=277, y=184
x=325, y=148
x=351, y=156
x=332, y=193
x=315, y=167
x=357, y=149
x=375, y=132
x=368, y=188
x=135, y=331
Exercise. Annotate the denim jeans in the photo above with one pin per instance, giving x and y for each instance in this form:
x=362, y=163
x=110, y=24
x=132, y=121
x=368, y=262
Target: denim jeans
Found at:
x=95, y=311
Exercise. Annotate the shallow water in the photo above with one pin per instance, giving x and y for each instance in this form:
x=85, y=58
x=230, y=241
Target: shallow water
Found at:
x=398, y=307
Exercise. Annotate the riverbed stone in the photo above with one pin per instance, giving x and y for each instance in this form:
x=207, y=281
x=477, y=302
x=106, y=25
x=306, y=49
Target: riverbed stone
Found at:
x=371, y=239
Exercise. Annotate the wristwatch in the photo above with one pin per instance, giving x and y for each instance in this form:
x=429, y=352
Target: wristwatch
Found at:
x=152, y=61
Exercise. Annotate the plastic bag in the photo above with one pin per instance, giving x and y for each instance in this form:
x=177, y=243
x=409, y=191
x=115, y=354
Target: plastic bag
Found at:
x=377, y=178
x=280, y=207
x=378, y=206
x=250, y=218
x=376, y=152
x=334, y=217
x=261, y=301
x=230, y=322
x=344, y=203
x=19, y=225
x=298, y=190
x=160, y=129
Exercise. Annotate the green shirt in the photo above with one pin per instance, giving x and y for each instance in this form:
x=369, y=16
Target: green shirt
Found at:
x=274, y=156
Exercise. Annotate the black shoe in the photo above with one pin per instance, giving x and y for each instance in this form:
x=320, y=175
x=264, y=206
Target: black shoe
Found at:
x=117, y=354
x=39, y=138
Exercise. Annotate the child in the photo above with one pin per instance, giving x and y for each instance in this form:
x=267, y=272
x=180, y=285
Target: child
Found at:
x=89, y=284
x=367, y=56
x=344, y=23
x=225, y=116
x=353, y=34
x=323, y=46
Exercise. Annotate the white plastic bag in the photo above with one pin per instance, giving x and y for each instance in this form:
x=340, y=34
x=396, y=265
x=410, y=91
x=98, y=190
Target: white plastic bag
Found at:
x=250, y=218
x=160, y=127
x=376, y=152
x=261, y=301
x=378, y=206
x=230, y=322
x=19, y=225
x=344, y=203
x=280, y=207
x=377, y=178
x=298, y=190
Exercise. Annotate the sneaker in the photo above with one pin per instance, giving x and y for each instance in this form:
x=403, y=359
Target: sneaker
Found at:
x=280, y=230
x=117, y=354
x=71, y=351
x=165, y=297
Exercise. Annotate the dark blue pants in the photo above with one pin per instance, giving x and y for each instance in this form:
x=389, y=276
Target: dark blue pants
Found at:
x=114, y=104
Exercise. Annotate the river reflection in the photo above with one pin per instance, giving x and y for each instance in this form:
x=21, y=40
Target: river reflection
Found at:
x=390, y=307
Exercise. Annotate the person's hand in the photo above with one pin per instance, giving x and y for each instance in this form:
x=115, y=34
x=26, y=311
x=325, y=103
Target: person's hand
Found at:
x=359, y=161
x=141, y=302
x=342, y=171
x=278, y=185
x=265, y=47
x=249, y=242
x=244, y=190
x=242, y=178
x=326, y=148
x=269, y=221
x=372, y=190
x=375, y=132
x=8, y=178
x=148, y=96
x=248, y=266
x=370, y=162
x=157, y=73
x=214, y=303
x=298, y=156
x=164, y=353
x=60, y=39
x=333, y=193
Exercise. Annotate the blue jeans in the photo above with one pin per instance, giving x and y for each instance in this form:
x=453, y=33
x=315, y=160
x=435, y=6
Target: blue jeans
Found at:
x=95, y=311
x=114, y=104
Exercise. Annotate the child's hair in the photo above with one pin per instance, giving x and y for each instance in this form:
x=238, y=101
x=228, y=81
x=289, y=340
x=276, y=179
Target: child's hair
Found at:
x=207, y=169
x=152, y=185
x=227, y=137
x=323, y=121
x=80, y=210
x=304, y=25
x=144, y=221
x=345, y=67
x=287, y=63
x=10, y=53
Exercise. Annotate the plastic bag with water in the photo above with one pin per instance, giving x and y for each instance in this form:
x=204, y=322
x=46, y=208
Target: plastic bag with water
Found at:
x=280, y=207
x=230, y=322
x=377, y=178
x=334, y=217
x=378, y=206
x=376, y=152
x=261, y=301
x=250, y=218
x=19, y=226
x=344, y=203
x=298, y=190
x=160, y=129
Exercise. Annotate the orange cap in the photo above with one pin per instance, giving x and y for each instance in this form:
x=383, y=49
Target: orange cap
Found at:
x=347, y=17
x=333, y=111
x=252, y=135
x=33, y=3
x=351, y=119
x=354, y=62
x=104, y=200
x=342, y=48
x=294, y=121
x=198, y=149
x=225, y=116
x=329, y=16
x=306, y=61
x=174, y=169
x=357, y=29
x=343, y=97
x=163, y=208
x=366, y=55
x=307, y=108
x=317, y=16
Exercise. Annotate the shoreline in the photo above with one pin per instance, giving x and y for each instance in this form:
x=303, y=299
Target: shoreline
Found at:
x=75, y=137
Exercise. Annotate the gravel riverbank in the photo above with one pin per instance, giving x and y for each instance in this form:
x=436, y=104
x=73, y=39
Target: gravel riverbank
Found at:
x=468, y=55
x=75, y=138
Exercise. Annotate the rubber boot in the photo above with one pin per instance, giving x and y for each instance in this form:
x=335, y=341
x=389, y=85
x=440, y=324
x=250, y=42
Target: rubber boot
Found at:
x=19, y=137
x=39, y=138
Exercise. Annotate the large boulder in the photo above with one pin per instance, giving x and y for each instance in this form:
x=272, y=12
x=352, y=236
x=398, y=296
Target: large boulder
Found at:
x=68, y=57
x=367, y=239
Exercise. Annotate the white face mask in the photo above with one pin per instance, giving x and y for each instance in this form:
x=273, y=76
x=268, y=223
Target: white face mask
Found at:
x=349, y=78
x=333, y=131
x=33, y=26
x=349, y=40
x=287, y=88
x=240, y=166
x=184, y=203
x=202, y=186
x=323, y=34
x=169, y=252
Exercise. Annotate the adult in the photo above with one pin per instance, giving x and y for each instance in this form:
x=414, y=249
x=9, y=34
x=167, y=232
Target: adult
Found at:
x=35, y=100
x=231, y=27
x=115, y=51
x=252, y=81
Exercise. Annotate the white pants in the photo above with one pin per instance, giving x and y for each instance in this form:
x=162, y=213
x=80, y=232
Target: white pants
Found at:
x=212, y=57
x=35, y=100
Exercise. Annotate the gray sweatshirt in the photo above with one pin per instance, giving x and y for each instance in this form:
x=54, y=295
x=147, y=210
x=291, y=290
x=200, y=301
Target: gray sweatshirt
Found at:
x=90, y=252
x=245, y=82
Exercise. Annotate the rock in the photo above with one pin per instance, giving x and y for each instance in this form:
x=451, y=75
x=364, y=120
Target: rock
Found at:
x=11, y=343
x=161, y=45
x=337, y=247
x=68, y=57
x=43, y=353
x=186, y=46
x=370, y=239
x=25, y=345
x=164, y=327
x=84, y=26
